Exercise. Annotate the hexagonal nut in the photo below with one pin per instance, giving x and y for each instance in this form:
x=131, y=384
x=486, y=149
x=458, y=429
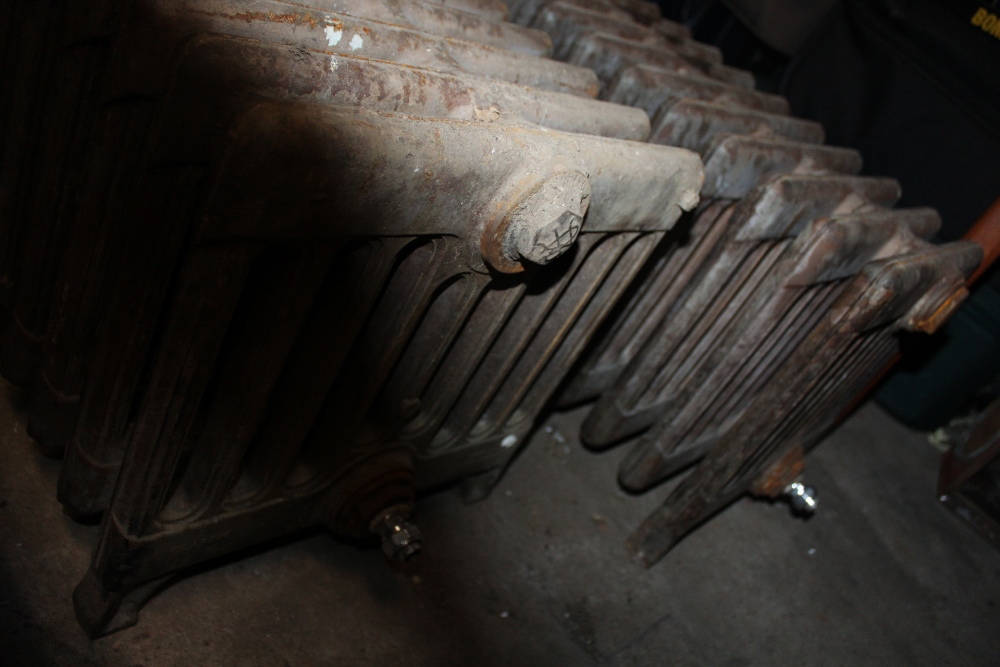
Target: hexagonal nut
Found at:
x=802, y=497
x=402, y=542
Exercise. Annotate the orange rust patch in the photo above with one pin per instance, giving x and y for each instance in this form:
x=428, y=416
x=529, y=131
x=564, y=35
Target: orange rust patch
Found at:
x=271, y=17
x=931, y=323
x=782, y=473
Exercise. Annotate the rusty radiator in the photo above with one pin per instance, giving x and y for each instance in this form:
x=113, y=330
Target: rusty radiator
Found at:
x=316, y=262
x=118, y=74
x=737, y=298
x=271, y=265
x=307, y=415
x=93, y=427
x=761, y=450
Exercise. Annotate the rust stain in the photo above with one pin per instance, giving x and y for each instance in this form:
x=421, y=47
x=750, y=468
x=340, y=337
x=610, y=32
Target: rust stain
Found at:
x=783, y=472
x=270, y=17
x=931, y=323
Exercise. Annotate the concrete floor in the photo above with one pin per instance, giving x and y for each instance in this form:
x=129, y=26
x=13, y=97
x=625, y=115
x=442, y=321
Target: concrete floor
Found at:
x=537, y=575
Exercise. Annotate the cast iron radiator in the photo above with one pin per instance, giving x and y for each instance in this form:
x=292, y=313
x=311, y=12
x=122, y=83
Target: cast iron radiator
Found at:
x=270, y=265
x=307, y=264
x=792, y=267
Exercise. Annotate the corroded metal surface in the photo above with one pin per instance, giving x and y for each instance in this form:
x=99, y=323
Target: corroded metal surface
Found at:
x=565, y=23
x=133, y=84
x=109, y=66
x=697, y=383
x=439, y=361
x=146, y=34
x=445, y=21
x=742, y=287
x=598, y=37
x=355, y=35
x=607, y=55
x=306, y=260
x=695, y=266
x=203, y=99
x=652, y=88
x=696, y=125
x=735, y=164
x=525, y=11
x=723, y=240
x=290, y=263
x=799, y=405
x=773, y=482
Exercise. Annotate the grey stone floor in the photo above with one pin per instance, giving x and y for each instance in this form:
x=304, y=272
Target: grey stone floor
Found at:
x=537, y=575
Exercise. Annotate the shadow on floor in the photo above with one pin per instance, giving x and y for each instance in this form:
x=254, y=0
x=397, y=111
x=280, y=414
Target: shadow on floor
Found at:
x=537, y=575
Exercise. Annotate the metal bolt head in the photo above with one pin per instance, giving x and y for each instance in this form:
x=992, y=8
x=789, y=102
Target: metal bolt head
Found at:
x=801, y=497
x=400, y=538
x=402, y=542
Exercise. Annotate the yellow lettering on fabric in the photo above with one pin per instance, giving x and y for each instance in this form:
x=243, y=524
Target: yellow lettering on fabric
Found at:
x=987, y=21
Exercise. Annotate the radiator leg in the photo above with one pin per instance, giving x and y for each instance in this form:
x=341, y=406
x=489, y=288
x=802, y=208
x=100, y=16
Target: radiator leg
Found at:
x=101, y=612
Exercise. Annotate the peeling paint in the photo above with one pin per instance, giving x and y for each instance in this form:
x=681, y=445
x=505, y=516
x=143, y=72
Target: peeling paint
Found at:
x=333, y=35
x=356, y=42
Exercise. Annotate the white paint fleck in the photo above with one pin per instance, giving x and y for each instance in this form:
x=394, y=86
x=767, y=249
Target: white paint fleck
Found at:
x=812, y=551
x=334, y=64
x=356, y=42
x=509, y=441
x=333, y=35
